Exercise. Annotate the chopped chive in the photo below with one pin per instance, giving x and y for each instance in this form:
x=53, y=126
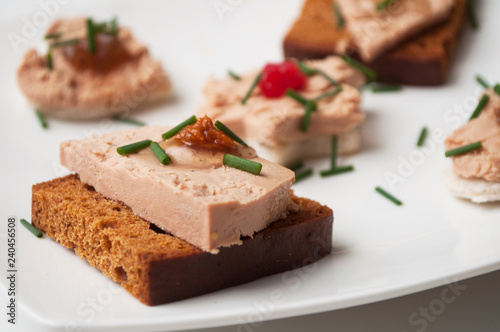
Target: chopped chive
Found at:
x=482, y=81
x=113, y=30
x=496, y=88
x=242, y=164
x=388, y=196
x=384, y=4
x=172, y=132
x=338, y=16
x=480, y=106
x=328, y=94
x=48, y=58
x=336, y=171
x=333, y=156
x=472, y=15
x=293, y=94
x=41, y=119
x=91, y=36
x=370, y=74
x=99, y=27
x=129, y=121
x=134, y=147
x=297, y=166
x=421, y=137
x=31, y=228
x=464, y=149
x=328, y=77
x=160, y=153
x=53, y=35
x=310, y=107
x=233, y=75
x=378, y=88
x=64, y=43
x=219, y=125
x=252, y=87
x=303, y=175
x=306, y=70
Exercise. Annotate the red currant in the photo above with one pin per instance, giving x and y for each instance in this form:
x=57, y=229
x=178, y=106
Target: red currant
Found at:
x=278, y=77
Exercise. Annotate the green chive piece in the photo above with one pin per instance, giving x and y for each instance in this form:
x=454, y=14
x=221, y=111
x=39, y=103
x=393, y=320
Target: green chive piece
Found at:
x=242, y=164
x=328, y=94
x=480, y=106
x=113, y=30
x=91, y=36
x=31, y=228
x=310, y=107
x=233, y=75
x=129, y=121
x=497, y=89
x=48, y=59
x=293, y=94
x=482, y=81
x=64, y=43
x=41, y=119
x=384, y=4
x=464, y=149
x=219, y=125
x=327, y=77
x=172, y=132
x=134, y=147
x=472, y=15
x=336, y=171
x=303, y=175
x=380, y=88
x=160, y=153
x=370, y=74
x=53, y=35
x=338, y=16
x=297, y=166
x=421, y=137
x=252, y=87
x=333, y=157
x=306, y=70
x=388, y=196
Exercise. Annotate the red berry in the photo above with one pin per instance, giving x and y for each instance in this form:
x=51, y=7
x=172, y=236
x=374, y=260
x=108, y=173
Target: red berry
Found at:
x=278, y=77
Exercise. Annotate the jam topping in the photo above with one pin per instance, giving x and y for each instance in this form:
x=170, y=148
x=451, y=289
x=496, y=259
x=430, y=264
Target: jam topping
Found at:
x=278, y=77
x=110, y=54
x=203, y=134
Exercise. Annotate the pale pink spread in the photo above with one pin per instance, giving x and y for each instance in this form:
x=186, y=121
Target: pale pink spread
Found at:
x=375, y=31
x=485, y=162
x=278, y=120
x=195, y=197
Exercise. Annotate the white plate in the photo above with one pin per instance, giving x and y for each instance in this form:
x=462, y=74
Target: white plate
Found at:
x=380, y=250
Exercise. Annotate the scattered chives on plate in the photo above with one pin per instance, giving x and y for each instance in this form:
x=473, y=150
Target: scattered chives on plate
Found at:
x=336, y=171
x=464, y=149
x=496, y=88
x=293, y=94
x=310, y=107
x=422, y=137
x=472, y=14
x=48, y=59
x=31, y=228
x=480, y=106
x=297, y=166
x=339, y=18
x=92, y=48
x=242, y=164
x=482, y=81
x=41, y=119
x=384, y=4
x=129, y=121
x=333, y=156
x=370, y=74
x=303, y=175
x=134, y=147
x=222, y=127
x=172, y=132
x=328, y=94
x=64, y=43
x=388, y=196
x=252, y=87
x=160, y=153
x=306, y=70
x=233, y=75
x=53, y=35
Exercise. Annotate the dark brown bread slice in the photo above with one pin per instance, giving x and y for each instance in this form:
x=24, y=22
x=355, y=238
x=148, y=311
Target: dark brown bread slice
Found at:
x=158, y=268
x=423, y=60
